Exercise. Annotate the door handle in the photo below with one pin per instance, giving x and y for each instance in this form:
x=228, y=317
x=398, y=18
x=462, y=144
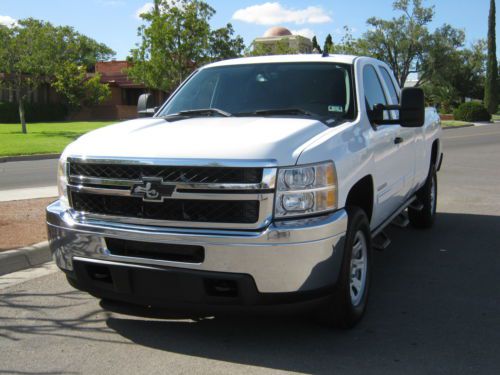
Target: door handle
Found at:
x=398, y=140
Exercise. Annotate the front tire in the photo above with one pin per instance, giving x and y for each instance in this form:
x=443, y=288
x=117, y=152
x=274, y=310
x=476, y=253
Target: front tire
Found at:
x=348, y=303
x=427, y=196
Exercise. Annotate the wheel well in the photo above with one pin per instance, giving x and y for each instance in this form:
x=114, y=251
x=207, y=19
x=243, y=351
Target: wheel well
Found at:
x=434, y=152
x=361, y=195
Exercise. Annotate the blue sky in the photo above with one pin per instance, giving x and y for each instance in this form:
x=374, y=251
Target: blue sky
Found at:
x=115, y=22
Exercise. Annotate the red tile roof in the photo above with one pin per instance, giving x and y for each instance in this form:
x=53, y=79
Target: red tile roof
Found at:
x=113, y=73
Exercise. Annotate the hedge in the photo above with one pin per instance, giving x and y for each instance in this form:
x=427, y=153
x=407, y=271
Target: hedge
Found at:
x=34, y=112
x=471, y=111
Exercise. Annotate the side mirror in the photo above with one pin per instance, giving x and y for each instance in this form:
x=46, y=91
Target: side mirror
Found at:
x=412, y=107
x=145, y=106
x=411, y=110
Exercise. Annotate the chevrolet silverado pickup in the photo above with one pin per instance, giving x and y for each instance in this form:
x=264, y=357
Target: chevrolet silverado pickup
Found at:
x=260, y=183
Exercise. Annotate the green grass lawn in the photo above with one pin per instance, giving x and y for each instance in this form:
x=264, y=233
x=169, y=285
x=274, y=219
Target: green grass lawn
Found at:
x=42, y=138
x=495, y=117
x=453, y=123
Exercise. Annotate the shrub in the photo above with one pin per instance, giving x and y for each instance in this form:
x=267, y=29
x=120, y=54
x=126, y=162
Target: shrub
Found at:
x=35, y=112
x=471, y=111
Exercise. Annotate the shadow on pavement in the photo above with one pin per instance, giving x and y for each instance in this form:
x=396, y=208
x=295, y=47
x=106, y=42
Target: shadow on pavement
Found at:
x=434, y=308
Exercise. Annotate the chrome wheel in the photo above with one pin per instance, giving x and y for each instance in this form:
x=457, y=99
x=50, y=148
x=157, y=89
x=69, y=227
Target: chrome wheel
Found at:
x=359, y=265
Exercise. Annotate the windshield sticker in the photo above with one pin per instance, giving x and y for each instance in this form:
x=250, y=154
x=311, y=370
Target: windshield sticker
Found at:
x=335, y=108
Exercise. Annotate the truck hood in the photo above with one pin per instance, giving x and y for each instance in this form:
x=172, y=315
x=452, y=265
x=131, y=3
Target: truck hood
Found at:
x=234, y=138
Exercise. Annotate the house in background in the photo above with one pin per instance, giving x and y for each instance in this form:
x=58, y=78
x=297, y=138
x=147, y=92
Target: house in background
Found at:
x=122, y=103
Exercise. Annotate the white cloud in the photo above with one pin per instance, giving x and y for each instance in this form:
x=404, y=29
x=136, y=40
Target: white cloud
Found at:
x=7, y=21
x=308, y=33
x=275, y=13
x=146, y=8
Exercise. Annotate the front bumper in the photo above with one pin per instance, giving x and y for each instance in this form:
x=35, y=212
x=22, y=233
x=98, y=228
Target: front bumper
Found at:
x=299, y=256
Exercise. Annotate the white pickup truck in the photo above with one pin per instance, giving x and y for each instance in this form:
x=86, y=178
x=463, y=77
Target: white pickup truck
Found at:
x=260, y=183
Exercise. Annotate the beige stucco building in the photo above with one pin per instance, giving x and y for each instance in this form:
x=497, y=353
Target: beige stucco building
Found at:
x=276, y=35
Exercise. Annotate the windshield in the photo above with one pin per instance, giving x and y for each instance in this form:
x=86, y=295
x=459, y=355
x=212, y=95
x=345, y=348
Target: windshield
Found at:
x=318, y=90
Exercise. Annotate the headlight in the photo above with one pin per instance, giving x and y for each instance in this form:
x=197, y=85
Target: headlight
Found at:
x=62, y=181
x=306, y=190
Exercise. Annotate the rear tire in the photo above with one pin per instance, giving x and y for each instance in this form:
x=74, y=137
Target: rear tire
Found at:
x=348, y=303
x=427, y=196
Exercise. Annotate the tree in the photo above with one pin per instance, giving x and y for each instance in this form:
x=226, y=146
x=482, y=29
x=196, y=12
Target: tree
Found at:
x=400, y=41
x=491, y=86
x=224, y=45
x=72, y=82
x=33, y=52
x=315, y=45
x=348, y=44
x=176, y=40
x=280, y=47
x=440, y=55
x=26, y=59
x=328, y=47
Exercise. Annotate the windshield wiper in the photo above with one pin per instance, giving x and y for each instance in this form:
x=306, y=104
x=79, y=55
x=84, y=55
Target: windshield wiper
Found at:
x=204, y=112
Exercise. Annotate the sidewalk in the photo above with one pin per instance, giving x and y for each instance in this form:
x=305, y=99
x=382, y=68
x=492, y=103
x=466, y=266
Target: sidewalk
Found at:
x=28, y=193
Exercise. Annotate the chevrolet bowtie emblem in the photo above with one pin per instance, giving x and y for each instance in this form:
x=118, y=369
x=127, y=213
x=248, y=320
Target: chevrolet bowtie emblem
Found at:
x=152, y=189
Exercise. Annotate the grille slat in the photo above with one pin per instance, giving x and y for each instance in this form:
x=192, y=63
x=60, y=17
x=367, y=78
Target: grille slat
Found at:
x=168, y=173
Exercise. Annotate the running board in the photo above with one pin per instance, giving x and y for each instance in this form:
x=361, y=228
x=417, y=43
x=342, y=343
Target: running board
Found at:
x=381, y=241
x=381, y=227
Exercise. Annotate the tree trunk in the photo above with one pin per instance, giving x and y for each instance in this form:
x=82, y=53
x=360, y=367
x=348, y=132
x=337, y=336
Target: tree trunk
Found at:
x=21, y=116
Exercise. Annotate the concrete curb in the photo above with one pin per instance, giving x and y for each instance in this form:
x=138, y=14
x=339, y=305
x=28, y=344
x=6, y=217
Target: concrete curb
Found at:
x=458, y=127
x=25, y=257
x=5, y=159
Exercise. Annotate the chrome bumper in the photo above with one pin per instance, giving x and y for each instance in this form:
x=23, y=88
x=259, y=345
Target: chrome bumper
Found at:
x=294, y=256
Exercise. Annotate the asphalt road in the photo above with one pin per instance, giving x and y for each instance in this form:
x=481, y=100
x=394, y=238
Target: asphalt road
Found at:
x=434, y=307
x=28, y=174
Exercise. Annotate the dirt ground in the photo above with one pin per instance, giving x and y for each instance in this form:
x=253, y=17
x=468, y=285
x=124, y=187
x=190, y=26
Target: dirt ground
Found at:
x=22, y=223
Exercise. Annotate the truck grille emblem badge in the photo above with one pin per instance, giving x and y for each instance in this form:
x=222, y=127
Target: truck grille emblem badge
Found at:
x=152, y=189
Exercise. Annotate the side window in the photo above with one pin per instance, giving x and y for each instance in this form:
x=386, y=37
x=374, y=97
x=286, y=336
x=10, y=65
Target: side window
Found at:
x=374, y=94
x=390, y=85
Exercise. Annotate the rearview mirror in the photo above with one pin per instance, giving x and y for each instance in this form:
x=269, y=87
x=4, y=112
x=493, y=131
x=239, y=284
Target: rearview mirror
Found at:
x=412, y=107
x=145, y=106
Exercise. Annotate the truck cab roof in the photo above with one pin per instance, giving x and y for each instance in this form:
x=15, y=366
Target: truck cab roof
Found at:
x=341, y=59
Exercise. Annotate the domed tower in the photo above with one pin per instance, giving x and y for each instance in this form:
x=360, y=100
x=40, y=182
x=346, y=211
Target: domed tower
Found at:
x=279, y=40
x=277, y=31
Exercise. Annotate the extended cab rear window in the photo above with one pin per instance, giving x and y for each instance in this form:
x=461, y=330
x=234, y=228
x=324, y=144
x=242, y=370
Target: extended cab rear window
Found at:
x=324, y=90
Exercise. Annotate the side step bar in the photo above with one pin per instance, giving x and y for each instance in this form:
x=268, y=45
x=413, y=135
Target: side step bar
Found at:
x=380, y=240
x=417, y=206
x=401, y=220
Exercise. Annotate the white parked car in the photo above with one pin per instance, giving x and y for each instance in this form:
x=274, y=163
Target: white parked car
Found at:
x=260, y=183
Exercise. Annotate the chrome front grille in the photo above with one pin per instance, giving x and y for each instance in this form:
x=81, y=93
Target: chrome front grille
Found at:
x=180, y=196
